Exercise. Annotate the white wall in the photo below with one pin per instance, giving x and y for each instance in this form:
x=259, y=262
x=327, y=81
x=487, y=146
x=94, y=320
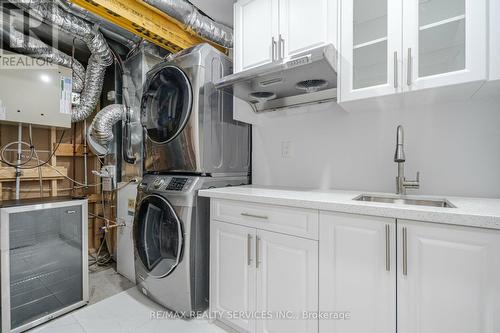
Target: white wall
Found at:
x=456, y=147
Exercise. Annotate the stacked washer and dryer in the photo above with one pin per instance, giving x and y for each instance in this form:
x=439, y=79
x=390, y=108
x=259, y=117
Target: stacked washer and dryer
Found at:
x=191, y=142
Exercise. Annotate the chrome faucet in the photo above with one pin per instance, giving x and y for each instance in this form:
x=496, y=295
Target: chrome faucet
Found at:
x=399, y=157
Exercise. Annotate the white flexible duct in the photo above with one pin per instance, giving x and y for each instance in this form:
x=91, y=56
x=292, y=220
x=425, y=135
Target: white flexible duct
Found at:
x=184, y=12
x=101, y=56
x=100, y=132
x=38, y=49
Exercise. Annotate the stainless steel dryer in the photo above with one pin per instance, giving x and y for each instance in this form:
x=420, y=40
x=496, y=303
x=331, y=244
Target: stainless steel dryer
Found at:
x=171, y=238
x=188, y=124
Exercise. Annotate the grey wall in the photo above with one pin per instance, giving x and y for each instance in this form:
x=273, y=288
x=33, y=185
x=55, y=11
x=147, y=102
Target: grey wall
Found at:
x=455, y=146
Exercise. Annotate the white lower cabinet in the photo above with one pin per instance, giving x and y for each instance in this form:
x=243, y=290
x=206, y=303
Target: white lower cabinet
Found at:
x=365, y=274
x=232, y=273
x=263, y=281
x=449, y=279
x=357, y=273
x=287, y=281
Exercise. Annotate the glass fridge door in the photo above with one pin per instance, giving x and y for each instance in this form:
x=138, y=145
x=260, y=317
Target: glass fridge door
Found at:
x=46, y=268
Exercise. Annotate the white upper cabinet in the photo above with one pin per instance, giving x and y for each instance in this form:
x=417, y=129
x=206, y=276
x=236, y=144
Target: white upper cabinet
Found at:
x=358, y=272
x=272, y=30
x=448, y=279
x=306, y=24
x=370, y=48
x=444, y=42
x=256, y=27
x=394, y=46
x=494, y=21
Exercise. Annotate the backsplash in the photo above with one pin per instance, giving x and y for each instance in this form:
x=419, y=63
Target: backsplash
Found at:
x=455, y=146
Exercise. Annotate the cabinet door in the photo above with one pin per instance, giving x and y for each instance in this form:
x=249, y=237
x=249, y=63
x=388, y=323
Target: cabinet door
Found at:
x=256, y=23
x=448, y=279
x=357, y=259
x=444, y=42
x=232, y=273
x=370, y=48
x=306, y=24
x=287, y=282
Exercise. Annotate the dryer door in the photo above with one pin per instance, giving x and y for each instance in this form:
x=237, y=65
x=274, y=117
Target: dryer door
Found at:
x=158, y=236
x=166, y=104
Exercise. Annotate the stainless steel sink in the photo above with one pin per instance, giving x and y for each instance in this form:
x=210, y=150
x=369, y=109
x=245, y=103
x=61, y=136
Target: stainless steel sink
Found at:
x=405, y=200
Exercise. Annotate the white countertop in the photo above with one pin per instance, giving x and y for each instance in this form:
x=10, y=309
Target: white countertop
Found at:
x=476, y=212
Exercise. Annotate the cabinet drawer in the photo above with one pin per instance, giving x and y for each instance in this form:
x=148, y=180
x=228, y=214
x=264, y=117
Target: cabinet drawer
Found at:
x=288, y=220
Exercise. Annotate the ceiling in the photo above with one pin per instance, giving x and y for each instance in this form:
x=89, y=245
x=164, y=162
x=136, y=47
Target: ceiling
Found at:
x=219, y=10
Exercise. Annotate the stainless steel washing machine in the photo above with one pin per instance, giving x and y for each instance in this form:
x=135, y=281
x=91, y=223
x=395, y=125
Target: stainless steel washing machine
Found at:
x=188, y=124
x=171, y=238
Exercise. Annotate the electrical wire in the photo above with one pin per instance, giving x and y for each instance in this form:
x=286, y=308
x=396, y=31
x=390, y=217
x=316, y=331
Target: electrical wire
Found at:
x=20, y=166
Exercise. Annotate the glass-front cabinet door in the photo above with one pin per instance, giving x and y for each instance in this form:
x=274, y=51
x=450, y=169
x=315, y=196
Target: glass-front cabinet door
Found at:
x=444, y=42
x=370, y=48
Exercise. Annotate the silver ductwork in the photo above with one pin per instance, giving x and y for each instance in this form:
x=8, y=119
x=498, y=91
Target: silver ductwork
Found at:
x=109, y=29
x=100, y=132
x=101, y=57
x=38, y=49
x=184, y=12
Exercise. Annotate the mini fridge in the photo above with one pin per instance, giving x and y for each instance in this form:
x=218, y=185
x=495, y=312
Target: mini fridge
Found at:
x=44, y=260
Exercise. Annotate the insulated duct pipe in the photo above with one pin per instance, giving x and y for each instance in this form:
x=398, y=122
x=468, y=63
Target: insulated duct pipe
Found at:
x=184, y=12
x=101, y=56
x=110, y=30
x=38, y=49
x=100, y=132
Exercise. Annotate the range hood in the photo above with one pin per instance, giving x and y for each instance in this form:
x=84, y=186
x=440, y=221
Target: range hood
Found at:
x=308, y=77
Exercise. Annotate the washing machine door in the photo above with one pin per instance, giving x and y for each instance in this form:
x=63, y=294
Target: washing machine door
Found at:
x=166, y=104
x=158, y=236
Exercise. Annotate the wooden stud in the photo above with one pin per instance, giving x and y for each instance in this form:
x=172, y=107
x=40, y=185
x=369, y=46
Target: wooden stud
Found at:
x=145, y=21
x=53, y=161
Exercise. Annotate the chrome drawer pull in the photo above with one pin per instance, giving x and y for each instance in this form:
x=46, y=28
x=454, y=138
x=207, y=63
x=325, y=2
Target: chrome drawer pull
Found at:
x=405, y=251
x=257, y=251
x=387, y=248
x=254, y=216
x=249, y=249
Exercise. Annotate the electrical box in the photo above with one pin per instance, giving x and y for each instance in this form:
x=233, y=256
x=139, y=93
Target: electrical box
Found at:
x=34, y=94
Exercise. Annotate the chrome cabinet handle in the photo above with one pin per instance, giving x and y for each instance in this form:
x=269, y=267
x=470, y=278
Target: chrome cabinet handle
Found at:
x=257, y=252
x=405, y=251
x=410, y=68
x=387, y=248
x=396, y=83
x=254, y=216
x=70, y=211
x=249, y=249
x=274, y=47
x=281, y=48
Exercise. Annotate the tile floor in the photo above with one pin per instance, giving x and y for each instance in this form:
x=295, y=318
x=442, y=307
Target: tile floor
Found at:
x=106, y=282
x=126, y=312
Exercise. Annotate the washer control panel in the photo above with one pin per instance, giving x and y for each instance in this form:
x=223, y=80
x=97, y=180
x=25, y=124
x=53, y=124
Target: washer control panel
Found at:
x=167, y=183
x=177, y=184
x=158, y=182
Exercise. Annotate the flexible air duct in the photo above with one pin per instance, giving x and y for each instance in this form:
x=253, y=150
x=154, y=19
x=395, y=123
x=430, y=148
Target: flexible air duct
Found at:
x=101, y=56
x=109, y=29
x=100, y=132
x=38, y=49
x=184, y=12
